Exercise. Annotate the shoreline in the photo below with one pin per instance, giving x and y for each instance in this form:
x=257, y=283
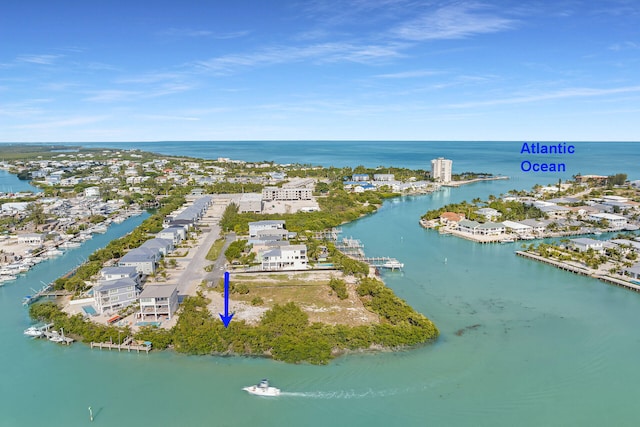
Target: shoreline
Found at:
x=455, y=184
x=199, y=276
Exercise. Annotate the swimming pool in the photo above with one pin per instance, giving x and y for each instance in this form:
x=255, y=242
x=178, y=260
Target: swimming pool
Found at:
x=89, y=310
x=148, y=324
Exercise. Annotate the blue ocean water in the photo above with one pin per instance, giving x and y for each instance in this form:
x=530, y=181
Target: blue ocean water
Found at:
x=522, y=343
x=497, y=157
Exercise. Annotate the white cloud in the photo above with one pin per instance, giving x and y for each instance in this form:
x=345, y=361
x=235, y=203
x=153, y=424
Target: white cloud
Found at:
x=39, y=59
x=628, y=45
x=561, y=94
x=322, y=52
x=121, y=95
x=189, y=32
x=63, y=122
x=409, y=74
x=166, y=117
x=454, y=21
x=112, y=95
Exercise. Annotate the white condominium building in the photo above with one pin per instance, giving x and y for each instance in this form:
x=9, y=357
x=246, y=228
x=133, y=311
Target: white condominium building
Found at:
x=276, y=193
x=441, y=169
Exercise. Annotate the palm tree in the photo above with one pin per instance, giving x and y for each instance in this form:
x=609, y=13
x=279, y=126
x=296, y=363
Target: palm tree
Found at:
x=35, y=213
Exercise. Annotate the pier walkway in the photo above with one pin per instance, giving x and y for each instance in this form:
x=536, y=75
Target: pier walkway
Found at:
x=581, y=271
x=354, y=248
x=127, y=345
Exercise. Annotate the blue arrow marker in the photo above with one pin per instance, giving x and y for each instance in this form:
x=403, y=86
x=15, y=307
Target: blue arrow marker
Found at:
x=226, y=318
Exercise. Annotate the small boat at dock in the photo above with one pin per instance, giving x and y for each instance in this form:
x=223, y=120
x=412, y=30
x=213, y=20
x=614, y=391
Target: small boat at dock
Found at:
x=393, y=265
x=70, y=245
x=262, y=389
x=33, y=331
x=55, y=336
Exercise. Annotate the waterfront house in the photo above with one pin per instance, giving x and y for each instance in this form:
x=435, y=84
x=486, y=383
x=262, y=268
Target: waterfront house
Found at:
x=115, y=294
x=633, y=271
x=615, y=222
x=484, y=229
x=115, y=273
x=292, y=257
x=175, y=234
x=361, y=188
x=538, y=226
x=518, y=228
x=554, y=211
x=164, y=246
x=191, y=214
x=490, y=229
x=258, y=226
x=186, y=224
x=259, y=246
x=489, y=213
x=583, y=244
x=158, y=302
x=564, y=200
x=451, y=218
x=467, y=226
x=143, y=259
x=279, y=234
x=632, y=244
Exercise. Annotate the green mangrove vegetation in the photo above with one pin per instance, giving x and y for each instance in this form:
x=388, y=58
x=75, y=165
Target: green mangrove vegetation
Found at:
x=284, y=332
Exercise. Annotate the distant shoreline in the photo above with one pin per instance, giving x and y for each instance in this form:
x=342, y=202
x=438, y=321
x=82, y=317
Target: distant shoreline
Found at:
x=471, y=181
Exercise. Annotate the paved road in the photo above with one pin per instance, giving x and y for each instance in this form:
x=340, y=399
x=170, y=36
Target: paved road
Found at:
x=195, y=262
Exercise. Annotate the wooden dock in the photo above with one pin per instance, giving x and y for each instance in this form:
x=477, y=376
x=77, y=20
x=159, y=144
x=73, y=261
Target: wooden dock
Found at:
x=37, y=294
x=127, y=345
x=581, y=271
x=384, y=262
x=54, y=335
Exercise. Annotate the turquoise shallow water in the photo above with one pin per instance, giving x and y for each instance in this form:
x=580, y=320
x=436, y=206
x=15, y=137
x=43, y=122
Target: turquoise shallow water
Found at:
x=522, y=344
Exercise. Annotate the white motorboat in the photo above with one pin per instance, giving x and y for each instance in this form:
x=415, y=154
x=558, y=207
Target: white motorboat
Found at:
x=70, y=244
x=262, y=389
x=7, y=278
x=100, y=228
x=57, y=337
x=33, y=331
x=53, y=252
x=393, y=265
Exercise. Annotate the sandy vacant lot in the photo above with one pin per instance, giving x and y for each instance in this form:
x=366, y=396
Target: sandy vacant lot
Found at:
x=309, y=290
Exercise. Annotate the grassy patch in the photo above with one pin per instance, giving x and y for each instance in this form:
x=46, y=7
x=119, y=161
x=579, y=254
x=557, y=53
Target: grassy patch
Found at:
x=215, y=250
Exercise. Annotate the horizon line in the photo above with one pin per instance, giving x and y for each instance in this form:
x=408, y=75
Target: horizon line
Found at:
x=319, y=140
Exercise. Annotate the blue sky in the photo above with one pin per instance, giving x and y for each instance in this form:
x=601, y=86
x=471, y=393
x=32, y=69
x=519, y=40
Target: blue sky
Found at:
x=319, y=69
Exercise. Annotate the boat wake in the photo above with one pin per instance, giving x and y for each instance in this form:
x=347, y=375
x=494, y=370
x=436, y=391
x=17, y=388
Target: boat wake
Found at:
x=342, y=394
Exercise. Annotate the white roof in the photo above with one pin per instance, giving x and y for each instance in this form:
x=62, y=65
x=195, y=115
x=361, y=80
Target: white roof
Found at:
x=608, y=216
x=516, y=225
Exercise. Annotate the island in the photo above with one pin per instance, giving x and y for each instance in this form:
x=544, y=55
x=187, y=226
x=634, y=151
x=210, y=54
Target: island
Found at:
x=299, y=292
